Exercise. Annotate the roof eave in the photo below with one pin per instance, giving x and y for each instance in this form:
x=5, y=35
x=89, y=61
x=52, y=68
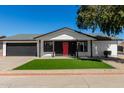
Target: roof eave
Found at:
x=18, y=40
x=67, y=28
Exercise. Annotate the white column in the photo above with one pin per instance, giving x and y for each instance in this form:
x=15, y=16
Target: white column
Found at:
x=41, y=48
x=4, y=48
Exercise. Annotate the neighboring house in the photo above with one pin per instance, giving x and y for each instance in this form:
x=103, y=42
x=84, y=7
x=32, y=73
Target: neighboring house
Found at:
x=1, y=45
x=62, y=42
x=121, y=47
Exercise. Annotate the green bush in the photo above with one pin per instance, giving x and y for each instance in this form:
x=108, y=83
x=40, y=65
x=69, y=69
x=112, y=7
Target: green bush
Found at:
x=107, y=53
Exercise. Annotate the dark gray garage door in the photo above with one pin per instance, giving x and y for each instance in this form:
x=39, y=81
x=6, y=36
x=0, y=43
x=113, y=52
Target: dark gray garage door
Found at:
x=21, y=49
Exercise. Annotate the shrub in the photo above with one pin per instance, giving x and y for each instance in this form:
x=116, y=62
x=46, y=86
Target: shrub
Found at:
x=107, y=53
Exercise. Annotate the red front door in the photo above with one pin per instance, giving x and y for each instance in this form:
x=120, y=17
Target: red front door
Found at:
x=65, y=48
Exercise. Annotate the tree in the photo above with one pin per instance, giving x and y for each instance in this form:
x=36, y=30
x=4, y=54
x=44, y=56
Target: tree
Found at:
x=108, y=18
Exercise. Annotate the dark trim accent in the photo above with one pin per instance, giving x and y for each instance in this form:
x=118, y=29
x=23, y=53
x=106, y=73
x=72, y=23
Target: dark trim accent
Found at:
x=108, y=40
x=79, y=32
x=18, y=40
x=91, y=48
x=21, y=44
x=64, y=28
x=49, y=33
x=39, y=48
x=53, y=49
x=77, y=55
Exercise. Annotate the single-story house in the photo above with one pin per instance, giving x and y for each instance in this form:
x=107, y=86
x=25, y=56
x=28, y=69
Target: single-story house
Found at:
x=1, y=45
x=62, y=42
x=121, y=47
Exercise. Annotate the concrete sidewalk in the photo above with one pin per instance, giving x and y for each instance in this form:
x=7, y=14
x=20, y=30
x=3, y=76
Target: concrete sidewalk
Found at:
x=78, y=81
x=72, y=78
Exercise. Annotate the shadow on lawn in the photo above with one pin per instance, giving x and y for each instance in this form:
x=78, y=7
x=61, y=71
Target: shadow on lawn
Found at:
x=113, y=59
x=97, y=60
x=91, y=59
x=118, y=60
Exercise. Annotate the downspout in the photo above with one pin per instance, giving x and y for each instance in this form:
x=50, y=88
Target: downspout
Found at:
x=53, y=50
x=91, y=46
x=77, y=49
x=39, y=48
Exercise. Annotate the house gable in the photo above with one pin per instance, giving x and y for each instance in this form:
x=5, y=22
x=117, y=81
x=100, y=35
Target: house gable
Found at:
x=65, y=34
x=63, y=37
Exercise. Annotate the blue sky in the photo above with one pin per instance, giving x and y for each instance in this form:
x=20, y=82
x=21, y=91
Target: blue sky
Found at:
x=37, y=19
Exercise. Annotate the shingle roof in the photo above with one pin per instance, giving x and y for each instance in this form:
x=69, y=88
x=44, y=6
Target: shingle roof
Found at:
x=62, y=29
x=34, y=36
x=98, y=37
x=21, y=37
x=2, y=37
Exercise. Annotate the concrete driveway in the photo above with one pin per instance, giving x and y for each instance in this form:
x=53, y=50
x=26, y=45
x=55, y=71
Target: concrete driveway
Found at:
x=8, y=63
x=114, y=79
x=117, y=62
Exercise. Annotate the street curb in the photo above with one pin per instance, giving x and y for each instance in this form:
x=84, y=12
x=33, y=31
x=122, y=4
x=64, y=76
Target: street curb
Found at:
x=58, y=74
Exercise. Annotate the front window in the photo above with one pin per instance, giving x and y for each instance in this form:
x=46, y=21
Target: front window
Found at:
x=83, y=46
x=48, y=46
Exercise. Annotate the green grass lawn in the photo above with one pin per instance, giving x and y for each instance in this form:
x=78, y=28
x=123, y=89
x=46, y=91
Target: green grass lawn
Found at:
x=45, y=64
